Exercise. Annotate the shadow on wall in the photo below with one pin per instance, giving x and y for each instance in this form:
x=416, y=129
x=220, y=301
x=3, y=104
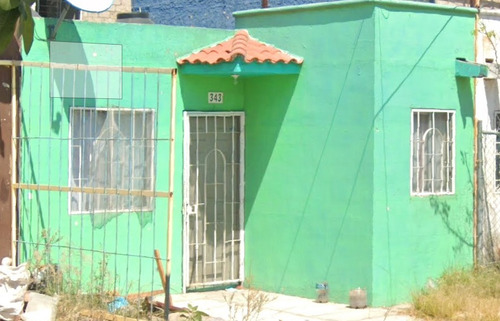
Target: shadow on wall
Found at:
x=67, y=33
x=265, y=111
x=441, y=208
x=455, y=223
x=85, y=88
x=465, y=98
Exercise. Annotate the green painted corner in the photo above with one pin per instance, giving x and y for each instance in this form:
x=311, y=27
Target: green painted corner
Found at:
x=310, y=155
x=355, y=94
x=416, y=238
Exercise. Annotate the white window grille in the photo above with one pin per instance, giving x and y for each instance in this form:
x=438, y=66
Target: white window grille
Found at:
x=111, y=149
x=433, y=158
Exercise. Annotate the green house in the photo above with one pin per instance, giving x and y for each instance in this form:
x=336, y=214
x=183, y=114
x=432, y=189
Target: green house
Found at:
x=319, y=143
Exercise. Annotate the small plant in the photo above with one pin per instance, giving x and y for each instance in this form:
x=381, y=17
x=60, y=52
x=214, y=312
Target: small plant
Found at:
x=54, y=276
x=191, y=313
x=492, y=40
x=246, y=305
x=100, y=284
x=46, y=276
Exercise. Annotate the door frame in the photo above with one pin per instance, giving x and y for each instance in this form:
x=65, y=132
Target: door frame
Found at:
x=185, y=171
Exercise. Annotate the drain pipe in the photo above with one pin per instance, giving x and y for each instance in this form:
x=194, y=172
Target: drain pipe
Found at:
x=265, y=4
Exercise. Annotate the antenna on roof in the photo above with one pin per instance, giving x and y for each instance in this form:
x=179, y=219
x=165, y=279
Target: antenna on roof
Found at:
x=84, y=5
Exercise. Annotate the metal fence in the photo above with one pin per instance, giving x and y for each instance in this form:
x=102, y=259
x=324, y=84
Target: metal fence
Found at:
x=488, y=196
x=93, y=187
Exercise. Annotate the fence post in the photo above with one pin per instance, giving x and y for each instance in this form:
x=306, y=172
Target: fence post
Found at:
x=478, y=193
x=13, y=166
x=171, y=182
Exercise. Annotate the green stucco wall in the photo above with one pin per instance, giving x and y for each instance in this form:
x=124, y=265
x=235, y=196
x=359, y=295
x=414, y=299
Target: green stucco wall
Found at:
x=44, y=157
x=336, y=172
x=310, y=154
x=44, y=160
x=327, y=151
x=416, y=238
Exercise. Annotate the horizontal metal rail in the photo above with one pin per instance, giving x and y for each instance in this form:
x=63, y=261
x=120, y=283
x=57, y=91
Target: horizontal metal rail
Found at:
x=490, y=132
x=92, y=190
x=101, y=139
x=82, y=249
x=54, y=65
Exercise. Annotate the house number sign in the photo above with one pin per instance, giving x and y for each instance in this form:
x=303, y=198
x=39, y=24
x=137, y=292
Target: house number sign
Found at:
x=215, y=97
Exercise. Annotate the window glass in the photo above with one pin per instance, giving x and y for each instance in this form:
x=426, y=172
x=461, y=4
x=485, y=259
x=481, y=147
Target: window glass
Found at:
x=111, y=149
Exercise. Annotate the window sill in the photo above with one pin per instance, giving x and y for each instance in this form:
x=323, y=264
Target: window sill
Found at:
x=421, y=195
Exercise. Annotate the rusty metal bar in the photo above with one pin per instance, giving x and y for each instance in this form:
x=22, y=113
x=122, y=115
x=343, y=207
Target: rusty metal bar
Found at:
x=91, y=190
x=86, y=67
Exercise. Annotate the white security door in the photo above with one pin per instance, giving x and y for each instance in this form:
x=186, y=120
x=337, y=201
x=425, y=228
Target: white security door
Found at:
x=213, y=198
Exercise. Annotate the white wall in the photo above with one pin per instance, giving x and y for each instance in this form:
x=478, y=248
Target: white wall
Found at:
x=487, y=105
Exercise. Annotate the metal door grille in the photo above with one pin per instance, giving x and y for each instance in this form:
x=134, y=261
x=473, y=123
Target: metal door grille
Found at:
x=213, y=198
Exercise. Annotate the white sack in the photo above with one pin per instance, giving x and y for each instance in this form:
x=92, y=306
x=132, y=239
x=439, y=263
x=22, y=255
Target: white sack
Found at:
x=40, y=308
x=13, y=284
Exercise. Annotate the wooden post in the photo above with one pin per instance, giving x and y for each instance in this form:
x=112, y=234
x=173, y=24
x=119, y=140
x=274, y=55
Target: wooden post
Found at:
x=162, y=276
x=11, y=56
x=13, y=167
x=159, y=265
x=173, y=102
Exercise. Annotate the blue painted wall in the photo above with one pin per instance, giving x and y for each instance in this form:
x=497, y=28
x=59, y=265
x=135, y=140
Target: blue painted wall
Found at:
x=202, y=13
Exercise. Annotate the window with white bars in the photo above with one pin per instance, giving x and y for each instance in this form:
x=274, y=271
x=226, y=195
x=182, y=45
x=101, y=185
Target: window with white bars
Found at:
x=111, y=149
x=433, y=158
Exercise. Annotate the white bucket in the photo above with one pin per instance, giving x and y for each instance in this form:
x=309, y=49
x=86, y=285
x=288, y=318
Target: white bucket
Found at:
x=40, y=308
x=357, y=299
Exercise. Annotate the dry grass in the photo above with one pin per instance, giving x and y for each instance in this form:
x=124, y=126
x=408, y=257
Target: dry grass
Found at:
x=73, y=296
x=64, y=281
x=461, y=294
x=79, y=307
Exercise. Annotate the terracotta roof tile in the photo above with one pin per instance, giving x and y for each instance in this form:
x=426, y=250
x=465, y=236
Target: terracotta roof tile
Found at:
x=241, y=44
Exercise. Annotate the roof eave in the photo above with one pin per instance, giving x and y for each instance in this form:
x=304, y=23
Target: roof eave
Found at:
x=240, y=68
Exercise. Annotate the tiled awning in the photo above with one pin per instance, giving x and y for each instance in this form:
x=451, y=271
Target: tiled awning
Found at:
x=240, y=55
